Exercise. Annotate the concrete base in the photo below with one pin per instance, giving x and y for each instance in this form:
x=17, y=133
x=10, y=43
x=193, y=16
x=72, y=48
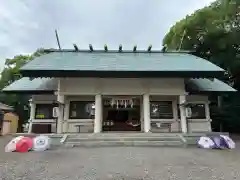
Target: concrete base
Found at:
x=125, y=139
x=125, y=143
x=135, y=139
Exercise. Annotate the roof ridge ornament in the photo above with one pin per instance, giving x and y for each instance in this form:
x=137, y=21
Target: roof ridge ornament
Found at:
x=120, y=48
x=135, y=48
x=91, y=47
x=149, y=48
x=164, y=49
x=75, y=47
x=105, y=48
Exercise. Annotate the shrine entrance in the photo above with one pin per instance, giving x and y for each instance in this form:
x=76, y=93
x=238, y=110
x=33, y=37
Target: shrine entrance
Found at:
x=121, y=114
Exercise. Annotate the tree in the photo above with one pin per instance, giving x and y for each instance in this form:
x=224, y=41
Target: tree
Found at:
x=10, y=74
x=213, y=33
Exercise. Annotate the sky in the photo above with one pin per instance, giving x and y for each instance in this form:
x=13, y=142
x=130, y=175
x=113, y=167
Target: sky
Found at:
x=26, y=25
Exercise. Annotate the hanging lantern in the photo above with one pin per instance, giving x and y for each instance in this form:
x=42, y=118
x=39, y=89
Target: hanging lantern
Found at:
x=112, y=102
x=117, y=104
x=124, y=102
x=131, y=101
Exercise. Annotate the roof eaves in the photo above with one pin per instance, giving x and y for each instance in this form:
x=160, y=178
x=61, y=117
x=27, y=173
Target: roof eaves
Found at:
x=203, y=85
x=5, y=107
x=32, y=86
x=28, y=92
x=120, y=74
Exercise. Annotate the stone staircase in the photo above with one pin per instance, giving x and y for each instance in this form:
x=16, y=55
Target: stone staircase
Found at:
x=124, y=139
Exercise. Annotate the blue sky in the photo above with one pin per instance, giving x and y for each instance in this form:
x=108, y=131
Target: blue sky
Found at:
x=29, y=24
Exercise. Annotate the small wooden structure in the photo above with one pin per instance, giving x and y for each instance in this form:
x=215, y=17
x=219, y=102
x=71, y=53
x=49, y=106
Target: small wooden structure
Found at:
x=8, y=120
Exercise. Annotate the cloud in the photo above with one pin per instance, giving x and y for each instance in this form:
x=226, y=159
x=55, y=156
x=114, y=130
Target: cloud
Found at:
x=27, y=25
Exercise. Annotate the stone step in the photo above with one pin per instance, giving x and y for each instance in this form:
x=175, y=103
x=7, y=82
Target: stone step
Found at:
x=125, y=143
x=150, y=138
x=122, y=135
x=191, y=140
x=125, y=133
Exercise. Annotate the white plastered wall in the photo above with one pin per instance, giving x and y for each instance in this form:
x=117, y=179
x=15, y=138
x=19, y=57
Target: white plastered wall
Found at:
x=175, y=122
x=70, y=124
x=194, y=125
x=200, y=125
x=121, y=86
x=85, y=89
x=45, y=99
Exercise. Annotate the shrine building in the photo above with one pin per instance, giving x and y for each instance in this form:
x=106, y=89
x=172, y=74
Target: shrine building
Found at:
x=95, y=91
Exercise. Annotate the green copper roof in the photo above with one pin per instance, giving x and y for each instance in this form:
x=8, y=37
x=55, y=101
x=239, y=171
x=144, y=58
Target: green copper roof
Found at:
x=41, y=85
x=49, y=85
x=119, y=62
x=207, y=85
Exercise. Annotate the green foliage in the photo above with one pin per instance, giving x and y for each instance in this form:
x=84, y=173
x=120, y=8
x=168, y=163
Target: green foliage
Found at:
x=214, y=34
x=10, y=74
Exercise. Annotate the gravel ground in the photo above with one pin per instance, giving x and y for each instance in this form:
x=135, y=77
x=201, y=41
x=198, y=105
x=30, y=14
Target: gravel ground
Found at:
x=123, y=163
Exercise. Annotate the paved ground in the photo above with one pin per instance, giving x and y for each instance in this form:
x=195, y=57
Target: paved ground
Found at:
x=120, y=164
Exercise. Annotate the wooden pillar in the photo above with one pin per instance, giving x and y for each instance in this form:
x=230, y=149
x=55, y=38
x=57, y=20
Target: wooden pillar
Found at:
x=141, y=115
x=61, y=101
x=98, y=114
x=146, y=113
x=32, y=115
x=182, y=102
x=60, y=119
x=207, y=111
x=208, y=116
x=66, y=115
